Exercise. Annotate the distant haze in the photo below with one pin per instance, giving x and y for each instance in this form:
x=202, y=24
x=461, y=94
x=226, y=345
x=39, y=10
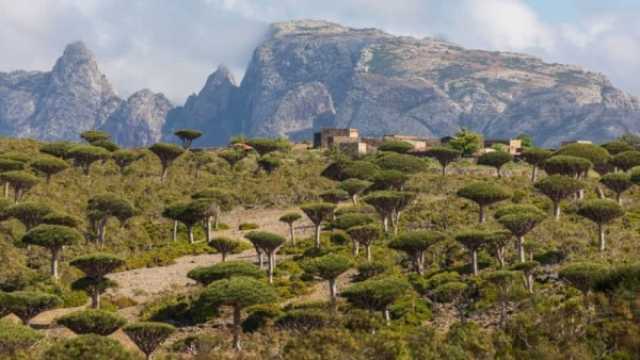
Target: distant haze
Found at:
x=171, y=46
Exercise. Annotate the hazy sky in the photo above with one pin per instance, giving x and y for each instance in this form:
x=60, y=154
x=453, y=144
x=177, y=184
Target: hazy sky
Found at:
x=171, y=46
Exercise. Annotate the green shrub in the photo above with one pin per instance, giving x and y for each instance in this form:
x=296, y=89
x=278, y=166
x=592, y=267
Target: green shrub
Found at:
x=178, y=309
x=148, y=335
x=27, y=304
x=370, y=270
x=303, y=320
x=259, y=317
x=166, y=254
x=248, y=226
x=97, y=322
x=225, y=270
x=88, y=347
x=15, y=338
x=363, y=321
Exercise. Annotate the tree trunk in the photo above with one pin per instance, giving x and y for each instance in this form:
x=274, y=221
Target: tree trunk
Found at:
x=54, y=263
x=368, y=248
x=483, y=218
x=444, y=170
x=556, y=210
x=581, y=194
x=175, y=230
x=396, y=222
x=95, y=299
x=224, y=256
x=529, y=283
x=601, y=237
x=190, y=227
x=292, y=235
x=534, y=173
x=209, y=229
x=387, y=316
x=163, y=176
x=385, y=224
x=260, y=258
x=318, y=236
x=354, y=199
x=500, y=256
x=600, y=192
x=619, y=198
x=333, y=293
x=521, y=253
x=236, y=328
x=474, y=257
x=355, y=248
x=499, y=173
x=17, y=194
x=6, y=190
x=420, y=263
x=270, y=262
x=102, y=230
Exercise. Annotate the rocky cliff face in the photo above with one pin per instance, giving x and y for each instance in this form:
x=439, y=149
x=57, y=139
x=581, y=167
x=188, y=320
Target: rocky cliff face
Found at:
x=384, y=84
x=75, y=96
x=211, y=111
x=139, y=120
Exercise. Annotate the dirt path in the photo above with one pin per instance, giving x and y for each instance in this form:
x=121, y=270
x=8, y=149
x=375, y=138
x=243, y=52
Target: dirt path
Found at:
x=143, y=284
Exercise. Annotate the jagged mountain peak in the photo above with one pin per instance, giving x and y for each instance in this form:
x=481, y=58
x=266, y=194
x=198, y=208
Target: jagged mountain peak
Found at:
x=76, y=96
x=78, y=50
x=147, y=94
x=221, y=77
x=139, y=120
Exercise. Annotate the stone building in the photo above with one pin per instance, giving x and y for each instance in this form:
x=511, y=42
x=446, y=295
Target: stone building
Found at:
x=326, y=138
x=514, y=145
x=419, y=144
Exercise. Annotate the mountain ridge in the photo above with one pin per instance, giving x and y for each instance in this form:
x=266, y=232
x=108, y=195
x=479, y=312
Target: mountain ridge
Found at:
x=309, y=74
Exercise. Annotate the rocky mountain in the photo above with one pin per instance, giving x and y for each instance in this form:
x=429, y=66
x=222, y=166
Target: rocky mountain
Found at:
x=73, y=97
x=306, y=75
x=211, y=110
x=139, y=120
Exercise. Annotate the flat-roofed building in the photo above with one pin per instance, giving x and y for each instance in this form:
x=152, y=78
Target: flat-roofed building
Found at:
x=419, y=144
x=514, y=146
x=326, y=138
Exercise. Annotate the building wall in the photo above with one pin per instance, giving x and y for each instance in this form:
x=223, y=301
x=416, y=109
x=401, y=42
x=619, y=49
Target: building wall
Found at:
x=325, y=138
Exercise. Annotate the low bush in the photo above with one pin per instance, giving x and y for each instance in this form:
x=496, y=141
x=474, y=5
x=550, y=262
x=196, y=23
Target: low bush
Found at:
x=248, y=226
x=166, y=254
x=97, y=322
x=88, y=347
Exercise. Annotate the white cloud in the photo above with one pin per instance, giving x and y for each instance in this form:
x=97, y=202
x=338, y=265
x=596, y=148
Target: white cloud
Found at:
x=171, y=46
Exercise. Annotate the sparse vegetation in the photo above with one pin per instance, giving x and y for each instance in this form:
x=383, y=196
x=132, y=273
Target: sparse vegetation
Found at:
x=434, y=285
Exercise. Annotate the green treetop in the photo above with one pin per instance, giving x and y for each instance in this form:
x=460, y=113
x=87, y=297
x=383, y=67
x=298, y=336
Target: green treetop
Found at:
x=601, y=212
x=53, y=238
x=167, y=154
x=187, y=136
x=467, y=142
x=495, y=159
x=415, y=244
x=484, y=194
x=238, y=293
